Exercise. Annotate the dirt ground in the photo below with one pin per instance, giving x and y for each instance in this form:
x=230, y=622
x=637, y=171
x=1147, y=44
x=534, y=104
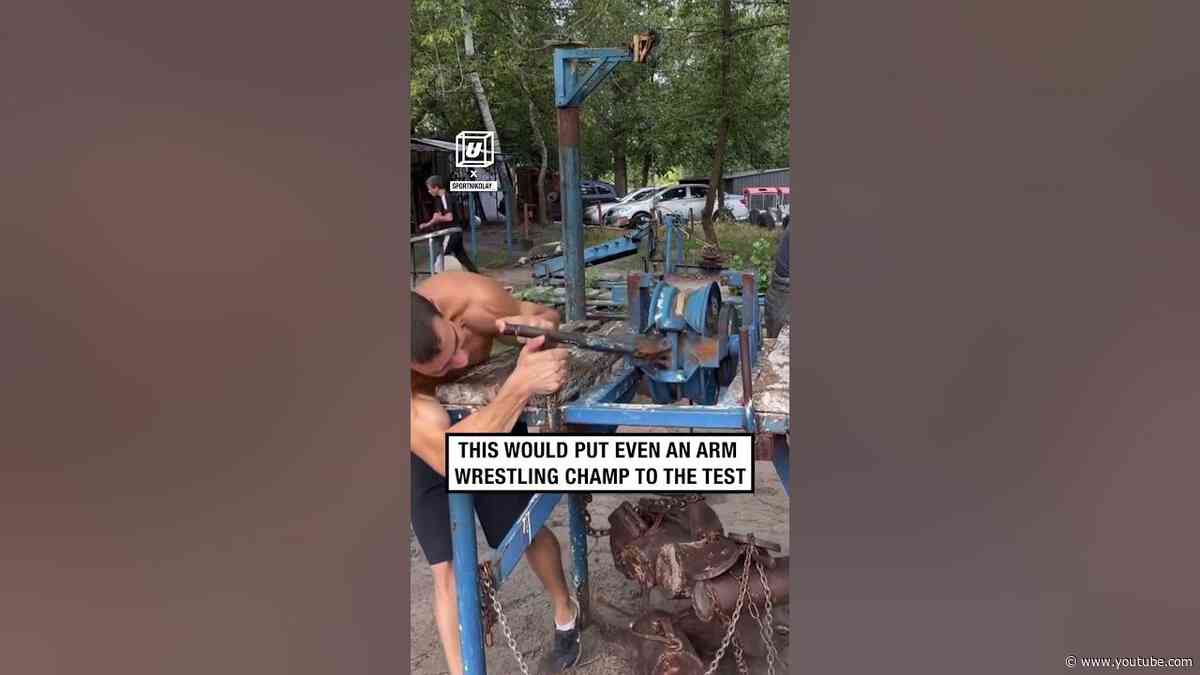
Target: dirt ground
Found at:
x=764, y=513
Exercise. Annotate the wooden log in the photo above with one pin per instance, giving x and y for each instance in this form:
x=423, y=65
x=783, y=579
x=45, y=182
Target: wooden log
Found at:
x=477, y=386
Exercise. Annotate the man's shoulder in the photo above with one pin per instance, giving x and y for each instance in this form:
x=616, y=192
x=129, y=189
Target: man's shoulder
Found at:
x=425, y=408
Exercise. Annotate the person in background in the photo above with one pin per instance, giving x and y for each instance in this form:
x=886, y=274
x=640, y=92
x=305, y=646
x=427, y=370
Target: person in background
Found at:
x=443, y=217
x=778, y=301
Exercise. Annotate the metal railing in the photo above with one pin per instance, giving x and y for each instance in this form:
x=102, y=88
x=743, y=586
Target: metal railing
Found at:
x=433, y=255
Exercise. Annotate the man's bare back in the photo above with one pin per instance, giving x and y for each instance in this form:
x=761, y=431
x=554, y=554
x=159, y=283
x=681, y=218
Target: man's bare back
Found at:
x=474, y=303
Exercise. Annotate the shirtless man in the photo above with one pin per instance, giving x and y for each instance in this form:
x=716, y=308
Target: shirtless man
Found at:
x=455, y=318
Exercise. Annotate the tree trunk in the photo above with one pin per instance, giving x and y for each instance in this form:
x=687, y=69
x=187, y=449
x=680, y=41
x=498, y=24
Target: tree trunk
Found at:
x=620, y=169
x=543, y=208
x=716, y=191
x=646, y=160
x=485, y=111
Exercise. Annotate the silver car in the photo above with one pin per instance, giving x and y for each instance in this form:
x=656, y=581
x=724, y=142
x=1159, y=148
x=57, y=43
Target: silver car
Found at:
x=596, y=213
x=681, y=200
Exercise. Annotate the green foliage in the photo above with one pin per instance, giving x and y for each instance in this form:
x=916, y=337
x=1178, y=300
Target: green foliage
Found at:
x=762, y=261
x=666, y=111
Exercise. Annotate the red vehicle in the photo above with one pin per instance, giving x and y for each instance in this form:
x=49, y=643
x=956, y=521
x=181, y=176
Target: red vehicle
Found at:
x=768, y=205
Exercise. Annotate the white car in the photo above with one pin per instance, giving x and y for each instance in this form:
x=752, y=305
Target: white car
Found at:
x=595, y=214
x=680, y=200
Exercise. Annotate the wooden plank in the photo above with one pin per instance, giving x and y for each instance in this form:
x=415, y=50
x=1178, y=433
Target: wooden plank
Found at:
x=479, y=385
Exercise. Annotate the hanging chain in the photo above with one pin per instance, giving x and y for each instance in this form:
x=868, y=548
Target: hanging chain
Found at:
x=586, y=498
x=737, y=610
x=766, y=623
x=490, y=590
x=739, y=657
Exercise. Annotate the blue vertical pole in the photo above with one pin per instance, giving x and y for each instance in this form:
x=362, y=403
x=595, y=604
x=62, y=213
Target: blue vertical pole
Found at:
x=471, y=219
x=510, y=207
x=572, y=212
x=466, y=562
x=579, y=551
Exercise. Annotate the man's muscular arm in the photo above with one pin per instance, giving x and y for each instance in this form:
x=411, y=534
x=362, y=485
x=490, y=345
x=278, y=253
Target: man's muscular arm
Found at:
x=430, y=423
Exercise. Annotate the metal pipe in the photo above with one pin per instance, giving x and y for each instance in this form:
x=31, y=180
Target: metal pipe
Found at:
x=466, y=561
x=510, y=205
x=572, y=212
x=599, y=343
x=744, y=360
x=471, y=220
x=579, y=560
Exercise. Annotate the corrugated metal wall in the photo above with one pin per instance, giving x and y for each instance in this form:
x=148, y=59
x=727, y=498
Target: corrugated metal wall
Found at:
x=781, y=178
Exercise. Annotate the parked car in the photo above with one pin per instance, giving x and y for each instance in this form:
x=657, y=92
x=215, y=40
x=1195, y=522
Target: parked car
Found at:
x=597, y=192
x=680, y=200
x=737, y=210
x=768, y=206
x=595, y=214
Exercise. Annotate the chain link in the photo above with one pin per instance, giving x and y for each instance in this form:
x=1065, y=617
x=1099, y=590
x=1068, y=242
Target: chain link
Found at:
x=490, y=590
x=739, y=657
x=737, y=610
x=766, y=625
x=587, y=518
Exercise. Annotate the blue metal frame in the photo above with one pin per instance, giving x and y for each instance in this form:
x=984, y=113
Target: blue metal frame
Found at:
x=508, y=555
x=569, y=88
x=603, y=408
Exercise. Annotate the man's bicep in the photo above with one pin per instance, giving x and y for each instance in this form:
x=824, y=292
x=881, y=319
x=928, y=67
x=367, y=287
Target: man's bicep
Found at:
x=427, y=434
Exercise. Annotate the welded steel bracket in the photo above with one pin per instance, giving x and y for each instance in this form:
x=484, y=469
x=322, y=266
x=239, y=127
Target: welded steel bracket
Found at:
x=577, y=72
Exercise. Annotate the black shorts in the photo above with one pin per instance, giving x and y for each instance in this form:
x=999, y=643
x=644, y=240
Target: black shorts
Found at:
x=497, y=512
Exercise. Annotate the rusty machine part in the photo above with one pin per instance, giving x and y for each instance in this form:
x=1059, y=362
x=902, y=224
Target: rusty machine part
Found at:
x=714, y=597
x=638, y=533
x=660, y=648
x=680, y=566
x=706, y=636
x=642, y=46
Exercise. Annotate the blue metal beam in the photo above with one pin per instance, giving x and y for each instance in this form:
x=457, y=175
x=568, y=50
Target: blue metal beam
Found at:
x=513, y=546
x=466, y=562
x=614, y=249
x=652, y=415
x=782, y=460
x=579, y=560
